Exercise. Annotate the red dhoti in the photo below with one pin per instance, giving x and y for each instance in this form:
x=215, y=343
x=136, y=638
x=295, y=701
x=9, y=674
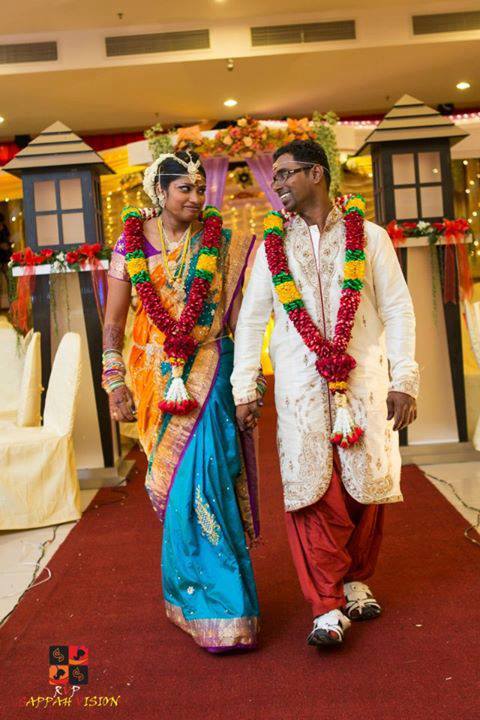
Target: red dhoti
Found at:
x=333, y=541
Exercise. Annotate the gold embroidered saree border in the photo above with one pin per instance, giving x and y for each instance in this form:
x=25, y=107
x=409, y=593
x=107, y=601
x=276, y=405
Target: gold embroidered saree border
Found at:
x=173, y=444
x=243, y=497
x=216, y=632
x=237, y=260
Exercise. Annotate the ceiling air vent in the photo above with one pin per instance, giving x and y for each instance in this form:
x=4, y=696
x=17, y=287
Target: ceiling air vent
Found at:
x=445, y=22
x=28, y=52
x=306, y=33
x=157, y=43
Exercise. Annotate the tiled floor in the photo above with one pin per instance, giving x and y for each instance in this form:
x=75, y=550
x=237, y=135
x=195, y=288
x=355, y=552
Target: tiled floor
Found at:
x=20, y=550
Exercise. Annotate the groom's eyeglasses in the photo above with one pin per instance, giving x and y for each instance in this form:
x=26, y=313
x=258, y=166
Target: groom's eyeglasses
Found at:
x=282, y=175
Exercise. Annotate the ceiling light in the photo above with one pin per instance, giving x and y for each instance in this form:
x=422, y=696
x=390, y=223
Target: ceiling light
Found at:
x=463, y=85
x=230, y=103
x=2, y=119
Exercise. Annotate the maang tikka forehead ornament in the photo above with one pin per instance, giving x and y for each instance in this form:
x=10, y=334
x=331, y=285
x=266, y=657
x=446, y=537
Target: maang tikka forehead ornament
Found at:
x=151, y=175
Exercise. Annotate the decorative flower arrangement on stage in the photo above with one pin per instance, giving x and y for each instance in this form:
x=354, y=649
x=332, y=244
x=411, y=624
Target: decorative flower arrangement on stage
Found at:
x=322, y=126
x=179, y=344
x=81, y=258
x=245, y=138
x=190, y=138
x=242, y=139
x=242, y=177
x=60, y=260
x=333, y=362
x=456, y=235
x=159, y=141
x=454, y=231
x=299, y=130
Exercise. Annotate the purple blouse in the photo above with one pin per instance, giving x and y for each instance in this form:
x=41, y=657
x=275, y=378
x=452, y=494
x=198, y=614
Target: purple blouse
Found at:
x=118, y=268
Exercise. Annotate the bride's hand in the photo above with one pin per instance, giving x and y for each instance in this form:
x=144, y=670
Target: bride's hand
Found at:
x=247, y=415
x=122, y=407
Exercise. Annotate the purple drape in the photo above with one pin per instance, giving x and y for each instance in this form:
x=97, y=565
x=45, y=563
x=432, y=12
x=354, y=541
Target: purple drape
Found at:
x=216, y=169
x=261, y=167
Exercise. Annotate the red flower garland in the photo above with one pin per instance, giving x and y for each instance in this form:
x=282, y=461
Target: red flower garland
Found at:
x=333, y=362
x=179, y=344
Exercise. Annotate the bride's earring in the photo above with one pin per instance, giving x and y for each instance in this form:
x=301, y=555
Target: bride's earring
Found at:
x=161, y=200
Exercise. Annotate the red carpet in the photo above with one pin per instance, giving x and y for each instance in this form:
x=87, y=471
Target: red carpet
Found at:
x=419, y=661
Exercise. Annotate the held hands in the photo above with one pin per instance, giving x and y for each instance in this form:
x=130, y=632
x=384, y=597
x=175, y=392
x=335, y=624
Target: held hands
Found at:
x=248, y=415
x=122, y=407
x=401, y=407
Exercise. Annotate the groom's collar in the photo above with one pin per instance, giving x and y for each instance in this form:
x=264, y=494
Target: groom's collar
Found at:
x=333, y=217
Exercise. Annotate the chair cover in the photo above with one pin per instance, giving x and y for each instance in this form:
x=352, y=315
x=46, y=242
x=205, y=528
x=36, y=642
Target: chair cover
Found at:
x=472, y=313
x=29, y=395
x=38, y=478
x=28, y=412
x=11, y=367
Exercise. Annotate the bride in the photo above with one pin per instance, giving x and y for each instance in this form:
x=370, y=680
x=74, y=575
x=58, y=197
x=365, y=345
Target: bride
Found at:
x=187, y=272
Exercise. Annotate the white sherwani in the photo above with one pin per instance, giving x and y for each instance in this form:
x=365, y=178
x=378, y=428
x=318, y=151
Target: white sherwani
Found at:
x=383, y=345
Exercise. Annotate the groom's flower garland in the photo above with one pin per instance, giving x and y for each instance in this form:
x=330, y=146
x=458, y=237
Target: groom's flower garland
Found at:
x=333, y=362
x=179, y=343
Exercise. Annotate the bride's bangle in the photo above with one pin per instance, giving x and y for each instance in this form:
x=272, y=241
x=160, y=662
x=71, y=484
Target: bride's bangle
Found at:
x=261, y=384
x=113, y=375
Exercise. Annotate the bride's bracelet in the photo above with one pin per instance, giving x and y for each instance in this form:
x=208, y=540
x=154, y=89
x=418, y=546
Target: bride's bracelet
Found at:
x=113, y=375
x=261, y=384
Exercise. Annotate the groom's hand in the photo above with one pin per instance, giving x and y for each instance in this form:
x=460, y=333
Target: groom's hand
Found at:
x=247, y=415
x=401, y=407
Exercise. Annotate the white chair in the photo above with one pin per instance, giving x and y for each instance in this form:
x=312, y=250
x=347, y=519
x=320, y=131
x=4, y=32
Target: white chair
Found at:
x=472, y=314
x=38, y=477
x=12, y=357
x=29, y=395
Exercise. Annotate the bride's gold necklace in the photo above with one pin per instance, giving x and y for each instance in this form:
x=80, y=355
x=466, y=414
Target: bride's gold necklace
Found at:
x=175, y=271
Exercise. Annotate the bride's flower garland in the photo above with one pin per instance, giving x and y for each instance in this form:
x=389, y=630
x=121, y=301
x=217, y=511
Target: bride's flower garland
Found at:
x=333, y=362
x=179, y=343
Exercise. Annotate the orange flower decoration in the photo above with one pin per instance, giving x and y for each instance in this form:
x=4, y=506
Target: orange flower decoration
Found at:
x=298, y=129
x=189, y=136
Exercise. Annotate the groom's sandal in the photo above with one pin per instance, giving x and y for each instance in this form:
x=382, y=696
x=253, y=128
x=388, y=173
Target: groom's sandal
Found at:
x=360, y=603
x=329, y=629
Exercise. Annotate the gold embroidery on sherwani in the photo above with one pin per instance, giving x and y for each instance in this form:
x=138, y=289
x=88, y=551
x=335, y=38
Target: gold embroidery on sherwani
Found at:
x=407, y=386
x=371, y=469
x=306, y=474
x=299, y=241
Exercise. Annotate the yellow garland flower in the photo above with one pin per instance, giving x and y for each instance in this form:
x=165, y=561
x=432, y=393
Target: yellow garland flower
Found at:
x=354, y=270
x=287, y=292
x=272, y=222
x=341, y=385
x=356, y=203
x=136, y=265
x=207, y=263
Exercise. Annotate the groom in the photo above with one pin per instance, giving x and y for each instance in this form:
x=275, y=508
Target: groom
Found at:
x=334, y=495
